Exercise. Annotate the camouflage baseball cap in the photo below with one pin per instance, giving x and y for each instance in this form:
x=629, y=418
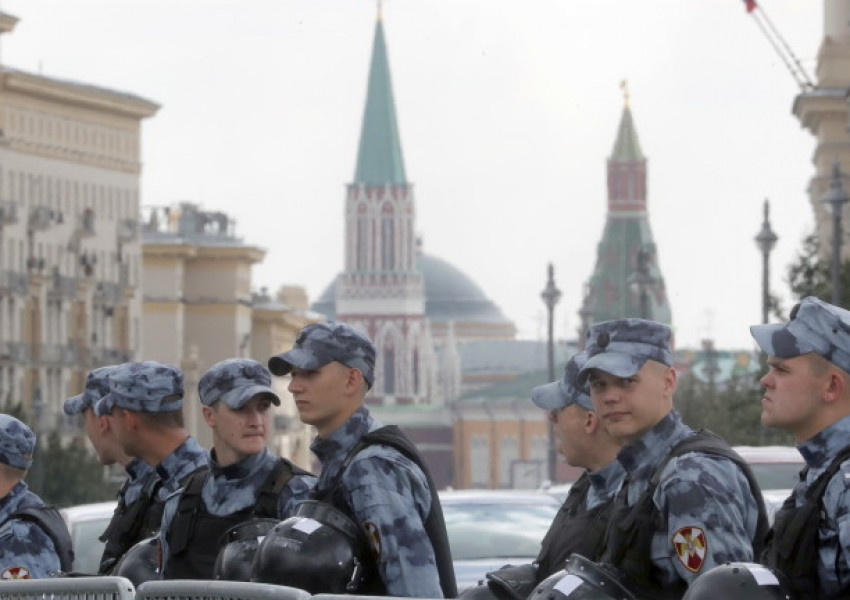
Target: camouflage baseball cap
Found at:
x=97, y=386
x=326, y=342
x=17, y=442
x=235, y=381
x=815, y=326
x=565, y=391
x=146, y=386
x=621, y=347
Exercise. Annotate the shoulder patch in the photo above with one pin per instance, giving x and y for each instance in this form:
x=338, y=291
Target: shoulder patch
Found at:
x=373, y=534
x=690, y=546
x=15, y=573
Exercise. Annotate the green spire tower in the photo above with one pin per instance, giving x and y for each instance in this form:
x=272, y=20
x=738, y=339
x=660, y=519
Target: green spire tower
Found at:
x=626, y=281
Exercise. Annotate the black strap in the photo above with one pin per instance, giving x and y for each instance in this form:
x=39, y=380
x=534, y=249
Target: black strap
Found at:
x=52, y=523
x=187, y=511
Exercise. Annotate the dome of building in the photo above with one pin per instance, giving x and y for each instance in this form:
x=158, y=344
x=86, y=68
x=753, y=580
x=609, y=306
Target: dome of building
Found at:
x=450, y=296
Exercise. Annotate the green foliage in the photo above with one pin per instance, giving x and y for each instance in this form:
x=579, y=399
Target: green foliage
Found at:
x=731, y=410
x=809, y=275
x=67, y=474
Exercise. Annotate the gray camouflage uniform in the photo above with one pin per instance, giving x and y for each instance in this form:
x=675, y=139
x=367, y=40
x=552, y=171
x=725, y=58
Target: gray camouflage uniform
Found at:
x=697, y=492
x=26, y=551
x=234, y=487
x=821, y=328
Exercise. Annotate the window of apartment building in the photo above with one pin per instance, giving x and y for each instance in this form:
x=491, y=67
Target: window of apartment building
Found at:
x=508, y=454
x=479, y=458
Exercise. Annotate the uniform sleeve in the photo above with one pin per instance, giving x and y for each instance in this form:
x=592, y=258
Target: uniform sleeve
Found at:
x=165, y=525
x=711, y=515
x=296, y=491
x=834, y=550
x=391, y=498
x=26, y=552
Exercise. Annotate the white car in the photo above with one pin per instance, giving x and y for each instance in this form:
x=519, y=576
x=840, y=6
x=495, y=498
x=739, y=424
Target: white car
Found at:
x=776, y=469
x=87, y=522
x=491, y=528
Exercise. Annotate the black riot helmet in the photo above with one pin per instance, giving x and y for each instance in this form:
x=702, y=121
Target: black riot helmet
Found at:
x=237, y=548
x=582, y=579
x=140, y=563
x=739, y=581
x=319, y=550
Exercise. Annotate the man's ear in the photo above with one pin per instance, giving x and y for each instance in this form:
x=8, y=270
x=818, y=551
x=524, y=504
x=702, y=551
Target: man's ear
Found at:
x=209, y=416
x=355, y=381
x=591, y=422
x=836, y=384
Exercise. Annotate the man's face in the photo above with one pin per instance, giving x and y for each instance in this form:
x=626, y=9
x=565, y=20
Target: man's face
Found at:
x=792, y=395
x=630, y=406
x=240, y=432
x=323, y=396
x=568, y=425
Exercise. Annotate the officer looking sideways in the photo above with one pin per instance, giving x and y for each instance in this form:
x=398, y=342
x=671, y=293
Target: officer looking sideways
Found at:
x=145, y=409
x=373, y=474
x=34, y=542
x=688, y=502
x=582, y=521
x=135, y=517
x=244, y=481
x=807, y=392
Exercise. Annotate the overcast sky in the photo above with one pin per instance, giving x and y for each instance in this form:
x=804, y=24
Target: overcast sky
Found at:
x=508, y=111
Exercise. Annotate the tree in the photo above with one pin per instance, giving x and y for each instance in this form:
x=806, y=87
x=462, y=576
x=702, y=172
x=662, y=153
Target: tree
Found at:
x=809, y=275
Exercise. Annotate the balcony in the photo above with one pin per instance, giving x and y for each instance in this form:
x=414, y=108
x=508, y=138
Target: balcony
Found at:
x=57, y=355
x=8, y=212
x=109, y=293
x=12, y=282
x=63, y=287
x=128, y=230
x=109, y=356
x=85, y=224
x=42, y=218
x=16, y=352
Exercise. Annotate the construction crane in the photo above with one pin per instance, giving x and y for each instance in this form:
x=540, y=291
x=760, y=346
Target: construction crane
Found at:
x=789, y=59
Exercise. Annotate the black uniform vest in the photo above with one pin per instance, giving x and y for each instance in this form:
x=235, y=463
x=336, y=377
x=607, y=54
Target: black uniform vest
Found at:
x=194, y=533
x=131, y=524
x=52, y=523
x=574, y=530
x=631, y=528
x=792, y=544
x=435, y=525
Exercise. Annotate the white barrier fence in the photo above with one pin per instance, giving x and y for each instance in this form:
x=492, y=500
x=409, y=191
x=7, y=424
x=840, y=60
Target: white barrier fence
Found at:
x=119, y=588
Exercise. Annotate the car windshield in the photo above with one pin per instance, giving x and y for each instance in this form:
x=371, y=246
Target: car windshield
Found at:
x=478, y=531
x=87, y=548
x=777, y=476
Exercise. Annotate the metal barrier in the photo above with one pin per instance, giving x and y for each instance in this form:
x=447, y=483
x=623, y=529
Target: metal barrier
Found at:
x=192, y=589
x=68, y=588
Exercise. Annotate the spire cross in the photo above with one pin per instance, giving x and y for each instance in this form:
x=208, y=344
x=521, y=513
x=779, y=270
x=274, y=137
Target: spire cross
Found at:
x=624, y=85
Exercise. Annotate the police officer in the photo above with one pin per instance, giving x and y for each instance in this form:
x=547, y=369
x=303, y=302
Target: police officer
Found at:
x=688, y=502
x=807, y=393
x=580, y=525
x=135, y=516
x=145, y=408
x=244, y=482
x=34, y=542
x=372, y=473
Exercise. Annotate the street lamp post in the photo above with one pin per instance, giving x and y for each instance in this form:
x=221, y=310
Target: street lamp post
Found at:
x=836, y=198
x=765, y=240
x=550, y=296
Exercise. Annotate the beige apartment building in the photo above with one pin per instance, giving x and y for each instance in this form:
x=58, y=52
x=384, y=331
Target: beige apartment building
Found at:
x=199, y=309
x=823, y=110
x=70, y=254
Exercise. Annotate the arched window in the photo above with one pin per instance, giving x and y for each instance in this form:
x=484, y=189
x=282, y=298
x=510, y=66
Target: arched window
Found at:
x=389, y=371
x=387, y=238
x=361, y=244
x=416, y=372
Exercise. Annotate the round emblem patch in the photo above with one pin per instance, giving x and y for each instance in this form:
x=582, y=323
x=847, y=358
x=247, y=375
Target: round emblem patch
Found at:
x=15, y=573
x=690, y=546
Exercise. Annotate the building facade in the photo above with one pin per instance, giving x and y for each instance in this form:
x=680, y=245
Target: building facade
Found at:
x=70, y=254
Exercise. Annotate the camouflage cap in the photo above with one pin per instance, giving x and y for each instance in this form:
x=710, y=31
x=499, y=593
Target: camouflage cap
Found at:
x=326, y=342
x=621, y=347
x=146, y=386
x=17, y=442
x=816, y=327
x=565, y=391
x=235, y=381
x=97, y=386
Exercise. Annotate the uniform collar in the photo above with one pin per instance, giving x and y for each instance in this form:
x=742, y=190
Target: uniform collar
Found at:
x=186, y=458
x=10, y=500
x=606, y=481
x=820, y=449
x=137, y=468
x=644, y=454
x=240, y=469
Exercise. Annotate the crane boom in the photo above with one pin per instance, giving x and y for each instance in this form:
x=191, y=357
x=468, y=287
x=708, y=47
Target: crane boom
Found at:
x=780, y=46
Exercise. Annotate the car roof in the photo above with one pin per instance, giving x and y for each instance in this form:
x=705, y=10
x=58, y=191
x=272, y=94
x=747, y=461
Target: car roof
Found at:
x=84, y=512
x=769, y=454
x=496, y=496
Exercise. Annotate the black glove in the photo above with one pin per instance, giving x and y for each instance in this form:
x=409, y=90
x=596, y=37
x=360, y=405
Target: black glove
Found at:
x=513, y=582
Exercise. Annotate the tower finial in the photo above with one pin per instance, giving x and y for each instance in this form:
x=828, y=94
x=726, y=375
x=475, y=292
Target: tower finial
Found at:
x=380, y=10
x=624, y=85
